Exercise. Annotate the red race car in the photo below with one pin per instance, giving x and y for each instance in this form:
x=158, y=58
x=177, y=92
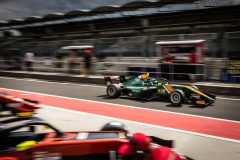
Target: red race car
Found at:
x=23, y=141
x=17, y=106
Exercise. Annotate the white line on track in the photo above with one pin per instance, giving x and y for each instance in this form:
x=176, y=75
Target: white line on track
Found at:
x=36, y=80
x=121, y=105
x=145, y=124
x=89, y=85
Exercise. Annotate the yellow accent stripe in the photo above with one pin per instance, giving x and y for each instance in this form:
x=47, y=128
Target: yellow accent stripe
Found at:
x=197, y=91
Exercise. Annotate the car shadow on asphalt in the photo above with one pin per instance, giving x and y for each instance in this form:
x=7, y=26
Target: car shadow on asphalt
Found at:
x=128, y=98
x=155, y=100
x=104, y=97
x=172, y=106
x=135, y=99
x=197, y=106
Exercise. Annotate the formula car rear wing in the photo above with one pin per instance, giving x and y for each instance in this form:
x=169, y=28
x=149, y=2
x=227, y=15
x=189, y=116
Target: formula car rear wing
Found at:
x=109, y=79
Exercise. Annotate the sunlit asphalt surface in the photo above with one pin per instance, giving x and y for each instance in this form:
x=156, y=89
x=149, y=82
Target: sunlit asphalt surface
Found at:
x=222, y=108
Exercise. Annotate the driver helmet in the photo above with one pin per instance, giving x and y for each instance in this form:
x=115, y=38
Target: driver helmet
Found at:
x=144, y=76
x=140, y=141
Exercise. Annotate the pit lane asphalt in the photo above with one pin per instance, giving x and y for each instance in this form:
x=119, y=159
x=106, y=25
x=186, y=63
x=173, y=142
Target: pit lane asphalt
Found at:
x=223, y=108
x=194, y=146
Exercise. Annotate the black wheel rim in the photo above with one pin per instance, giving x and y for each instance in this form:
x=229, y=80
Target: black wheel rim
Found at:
x=111, y=90
x=175, y=97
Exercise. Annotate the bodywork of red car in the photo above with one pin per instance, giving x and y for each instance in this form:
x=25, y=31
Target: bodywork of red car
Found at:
x=22, y=141
x=28, y=145
x=18, y=106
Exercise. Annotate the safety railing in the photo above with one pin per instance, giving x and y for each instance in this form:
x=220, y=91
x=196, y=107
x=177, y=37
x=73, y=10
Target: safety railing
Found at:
x=173, y=71
x=141, y=46
x=133, y=55
x=212, y=48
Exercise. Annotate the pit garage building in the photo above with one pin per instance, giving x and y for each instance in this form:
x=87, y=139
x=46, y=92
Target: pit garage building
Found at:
x=131, y=30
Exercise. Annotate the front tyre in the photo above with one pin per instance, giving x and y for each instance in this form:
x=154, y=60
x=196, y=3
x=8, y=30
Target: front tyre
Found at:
x=113, y=91
x=177, y=98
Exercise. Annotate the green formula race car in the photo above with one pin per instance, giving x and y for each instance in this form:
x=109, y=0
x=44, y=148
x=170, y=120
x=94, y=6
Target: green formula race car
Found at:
x=145, y=87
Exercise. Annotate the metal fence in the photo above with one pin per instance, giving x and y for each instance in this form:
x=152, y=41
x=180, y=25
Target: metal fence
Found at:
x=212, y=48
x=231, y=44
x=121, y=47
x=133, y=66
x=143, y=46
x=132, y=55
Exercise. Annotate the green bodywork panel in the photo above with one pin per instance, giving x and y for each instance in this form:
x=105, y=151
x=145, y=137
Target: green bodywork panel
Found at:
x=189, y=90
x=146, y=88
x=136, y=87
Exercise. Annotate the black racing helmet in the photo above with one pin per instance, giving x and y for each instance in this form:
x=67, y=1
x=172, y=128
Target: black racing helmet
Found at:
x=114, y=126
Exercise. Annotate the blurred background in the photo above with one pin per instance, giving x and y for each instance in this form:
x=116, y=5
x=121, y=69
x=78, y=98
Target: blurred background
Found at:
x=176, y=39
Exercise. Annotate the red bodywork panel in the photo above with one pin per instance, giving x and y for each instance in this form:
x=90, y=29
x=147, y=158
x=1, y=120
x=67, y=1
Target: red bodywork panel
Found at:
x=68, y=146
x=21, y=104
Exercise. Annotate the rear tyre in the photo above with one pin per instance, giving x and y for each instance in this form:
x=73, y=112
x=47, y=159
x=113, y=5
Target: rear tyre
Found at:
x=177, y=97
x=113, y=91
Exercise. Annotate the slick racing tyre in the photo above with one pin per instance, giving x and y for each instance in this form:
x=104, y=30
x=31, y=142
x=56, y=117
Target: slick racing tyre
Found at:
x=177, y=97
x=113, y=91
